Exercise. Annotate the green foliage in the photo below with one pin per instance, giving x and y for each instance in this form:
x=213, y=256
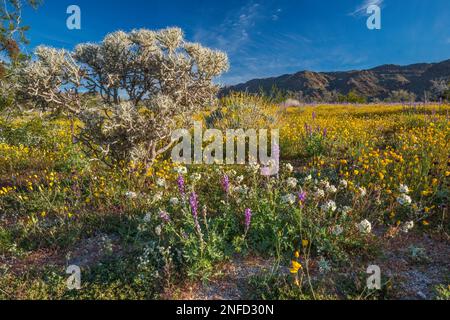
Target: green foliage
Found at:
x=351, y=97
x=12, y=33
x=443, y=292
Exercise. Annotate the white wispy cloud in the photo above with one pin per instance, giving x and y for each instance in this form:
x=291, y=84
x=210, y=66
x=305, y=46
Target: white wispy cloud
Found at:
x=361, y=10
x=234, y=31
x=253, y=52
x=276, y=15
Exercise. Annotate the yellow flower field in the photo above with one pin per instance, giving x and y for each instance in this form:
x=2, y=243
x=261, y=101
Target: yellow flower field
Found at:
x=352, y=176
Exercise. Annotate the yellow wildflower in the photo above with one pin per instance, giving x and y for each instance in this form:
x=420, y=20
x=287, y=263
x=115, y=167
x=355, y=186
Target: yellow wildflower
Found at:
x=296, y=267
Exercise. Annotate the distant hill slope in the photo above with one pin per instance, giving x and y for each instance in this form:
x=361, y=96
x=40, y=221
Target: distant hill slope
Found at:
x=373, y=83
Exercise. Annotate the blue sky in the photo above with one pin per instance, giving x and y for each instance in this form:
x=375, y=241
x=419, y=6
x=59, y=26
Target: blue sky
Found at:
x=266, y=37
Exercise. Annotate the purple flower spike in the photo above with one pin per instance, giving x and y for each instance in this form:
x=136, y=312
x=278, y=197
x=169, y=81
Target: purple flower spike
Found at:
x=248, y=219
x=302, y=197
x=164, y=216
x=193, y=201
x=180, y=182
x=308, y=129
x=226, y=184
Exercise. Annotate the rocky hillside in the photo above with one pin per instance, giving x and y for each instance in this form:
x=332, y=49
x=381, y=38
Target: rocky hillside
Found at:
x=374, y=83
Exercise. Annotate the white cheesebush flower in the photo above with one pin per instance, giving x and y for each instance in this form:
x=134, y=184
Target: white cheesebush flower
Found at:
x=319, y=193
x=331, y=189
x=362, y=192
x=292, y=182
x=161, y=182
x=329, y=206
x=196, y=177
x=404, y=200
x=365, y=227
x=408, y=226
x=174, y=201
x=131, y=195
x=403, y=189
x=157, y=197
x=289, y=199
x=289, y=168
x=240, y=179
x=180, y=170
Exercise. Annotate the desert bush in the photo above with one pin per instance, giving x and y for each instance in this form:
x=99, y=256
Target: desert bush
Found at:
x=243, y=111
x=401, y=96
x=439, y=89
x=130, y=91
x=12, y=35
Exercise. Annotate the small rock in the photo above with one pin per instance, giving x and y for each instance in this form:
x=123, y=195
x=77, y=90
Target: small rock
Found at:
x=421, y=295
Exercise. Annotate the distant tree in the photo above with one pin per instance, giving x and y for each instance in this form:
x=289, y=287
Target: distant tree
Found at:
x=351, y=97
x=12, y=32
x=354, y=97
x=296, y=95
x=401, y=96
x=12, y=35
x=330, y=96
x=439, y=89
x=277, y=95
x=447, y=92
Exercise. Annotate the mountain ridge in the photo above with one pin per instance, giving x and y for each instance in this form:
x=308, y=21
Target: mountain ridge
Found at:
x=375, y=83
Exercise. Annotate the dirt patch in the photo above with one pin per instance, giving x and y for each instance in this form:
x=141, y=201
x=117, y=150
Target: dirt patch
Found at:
x=34, y=260
x=416, y=264
x=88, y=253
x=92, y=250
x=230, y=286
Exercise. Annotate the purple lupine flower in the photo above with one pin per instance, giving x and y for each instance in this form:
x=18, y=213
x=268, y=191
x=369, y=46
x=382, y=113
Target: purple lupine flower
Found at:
x=302, y=197
x=226, y=184
x=325, y=132
x=248, y=219
x=193, y=201
x=180, y=182
x=314, y=115
x=308, y=129
x=164, y=216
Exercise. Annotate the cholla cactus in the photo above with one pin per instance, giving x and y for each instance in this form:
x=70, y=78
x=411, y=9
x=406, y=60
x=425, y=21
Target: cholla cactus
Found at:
x=145, y=83
x=53, y=79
